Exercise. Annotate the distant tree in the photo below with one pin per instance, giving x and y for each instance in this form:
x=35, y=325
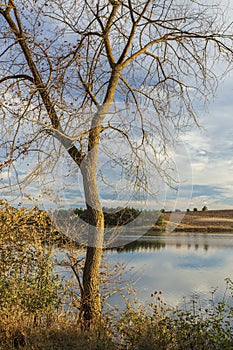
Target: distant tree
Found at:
x=204, y=208
x=160, y=222
x=188, y=210
x=194, y=209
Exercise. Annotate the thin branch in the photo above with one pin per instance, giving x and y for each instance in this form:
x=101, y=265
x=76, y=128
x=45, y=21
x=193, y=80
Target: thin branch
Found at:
x=73, y=267
x=88, y=89
x=17, y=76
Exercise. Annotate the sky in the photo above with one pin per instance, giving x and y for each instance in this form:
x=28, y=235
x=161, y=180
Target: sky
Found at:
x=208, y=157
x=206, y=168
x=211, y=148
x=211, y=152
x=205, y=164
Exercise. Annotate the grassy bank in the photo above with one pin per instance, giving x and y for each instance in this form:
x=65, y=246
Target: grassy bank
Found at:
x=155, y=327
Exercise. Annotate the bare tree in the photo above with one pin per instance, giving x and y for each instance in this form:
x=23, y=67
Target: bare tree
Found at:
x=64, y=65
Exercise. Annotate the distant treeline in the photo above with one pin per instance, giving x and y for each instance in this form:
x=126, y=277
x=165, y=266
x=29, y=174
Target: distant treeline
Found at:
x=112, y=216
x=121, y=216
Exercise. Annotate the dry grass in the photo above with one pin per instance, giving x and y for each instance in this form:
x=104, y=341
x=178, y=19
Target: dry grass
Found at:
x=21, y=333
x=204, y=221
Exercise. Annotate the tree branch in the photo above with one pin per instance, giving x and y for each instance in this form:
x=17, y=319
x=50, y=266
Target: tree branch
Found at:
x=88, y=89
x=39, y=84
x=17, y=76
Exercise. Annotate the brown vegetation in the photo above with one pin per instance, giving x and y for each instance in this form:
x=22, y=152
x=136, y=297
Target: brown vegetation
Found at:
x=202, y=221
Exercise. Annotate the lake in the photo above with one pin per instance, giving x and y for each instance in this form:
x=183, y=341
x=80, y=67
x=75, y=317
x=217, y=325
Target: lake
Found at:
x=180, y=265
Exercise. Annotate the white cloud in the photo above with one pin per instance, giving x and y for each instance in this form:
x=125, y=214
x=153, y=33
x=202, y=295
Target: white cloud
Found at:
x=211, y=148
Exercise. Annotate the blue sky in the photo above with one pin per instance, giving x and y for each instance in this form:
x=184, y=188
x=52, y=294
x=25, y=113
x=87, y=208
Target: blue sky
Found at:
x=206, y=169
x=209, y=152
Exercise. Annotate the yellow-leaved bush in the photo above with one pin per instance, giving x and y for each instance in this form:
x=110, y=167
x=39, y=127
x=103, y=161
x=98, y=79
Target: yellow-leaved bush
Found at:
x=27, y=280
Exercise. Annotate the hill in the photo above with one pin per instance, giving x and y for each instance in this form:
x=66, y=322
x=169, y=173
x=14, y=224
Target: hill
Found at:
x=200, y=221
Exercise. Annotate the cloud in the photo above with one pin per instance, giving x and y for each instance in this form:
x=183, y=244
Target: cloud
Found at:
x=211, y=148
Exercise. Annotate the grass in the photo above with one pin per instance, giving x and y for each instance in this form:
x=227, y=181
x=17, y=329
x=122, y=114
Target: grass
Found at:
x=202, y=221
x=151, y=327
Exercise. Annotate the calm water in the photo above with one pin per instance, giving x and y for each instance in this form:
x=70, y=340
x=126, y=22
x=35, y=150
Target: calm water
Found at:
x=179, y=265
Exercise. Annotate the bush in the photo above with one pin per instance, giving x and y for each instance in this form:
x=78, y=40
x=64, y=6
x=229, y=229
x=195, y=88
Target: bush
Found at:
x=27, y=282
x=163, y=328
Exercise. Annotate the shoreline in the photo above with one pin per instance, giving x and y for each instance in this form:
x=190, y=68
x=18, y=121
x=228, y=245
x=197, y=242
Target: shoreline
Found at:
x=154, y=231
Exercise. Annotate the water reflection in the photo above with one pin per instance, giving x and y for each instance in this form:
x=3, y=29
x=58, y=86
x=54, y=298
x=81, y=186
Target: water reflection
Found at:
x=141, y=245
x=179, y=265
x=181, y=241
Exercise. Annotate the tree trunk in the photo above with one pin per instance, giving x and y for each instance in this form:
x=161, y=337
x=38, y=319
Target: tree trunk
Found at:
x=91, y=301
